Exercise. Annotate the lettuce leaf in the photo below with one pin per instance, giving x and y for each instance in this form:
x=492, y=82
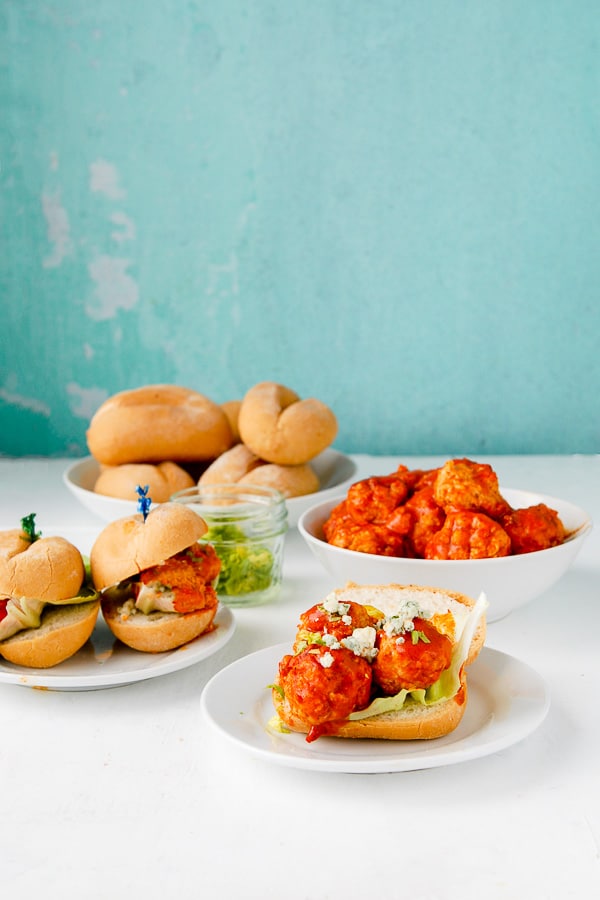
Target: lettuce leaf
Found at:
x=447, y=684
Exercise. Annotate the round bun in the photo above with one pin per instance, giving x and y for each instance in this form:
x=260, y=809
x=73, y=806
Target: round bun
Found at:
x=62, y=632
x=48, y=569
x=129, y=545
x=241, y=466
x=291, y=481
x=155, y=632
x=231, y=466
x=156, y=423
x=231, y=408
x=281, y=428
x=163, y=480
x=412, y=722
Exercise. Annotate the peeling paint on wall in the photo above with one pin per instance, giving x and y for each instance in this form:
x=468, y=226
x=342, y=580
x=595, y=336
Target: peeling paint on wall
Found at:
x=127, y=226
x=115, y=288
x=84, y=402
x=10, y=395
x=104, y=179
x=59, y=236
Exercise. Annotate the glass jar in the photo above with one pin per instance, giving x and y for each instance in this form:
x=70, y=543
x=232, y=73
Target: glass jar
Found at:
x=246, y=526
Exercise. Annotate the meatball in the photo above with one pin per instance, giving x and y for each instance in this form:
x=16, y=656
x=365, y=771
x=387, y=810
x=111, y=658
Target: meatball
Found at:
x=464, y=484
x=533, y=528
x=468, y=535
x=410, y=659
x=342, y=531
x=418, y=519
x=338, y=619
x=325, y=685
x=373, y=499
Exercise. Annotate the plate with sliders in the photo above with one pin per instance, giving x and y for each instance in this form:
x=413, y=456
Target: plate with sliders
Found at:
x=508, y=700
x=104, y=661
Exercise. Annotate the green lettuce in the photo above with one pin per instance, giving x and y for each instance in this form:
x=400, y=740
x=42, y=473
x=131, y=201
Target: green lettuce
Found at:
x=447, y=684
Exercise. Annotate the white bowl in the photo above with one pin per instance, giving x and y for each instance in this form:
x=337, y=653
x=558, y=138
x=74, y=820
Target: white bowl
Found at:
x=333, y=468
x=508, y=582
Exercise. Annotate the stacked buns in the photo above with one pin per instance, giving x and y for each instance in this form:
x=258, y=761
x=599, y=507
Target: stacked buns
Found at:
x=164, y=435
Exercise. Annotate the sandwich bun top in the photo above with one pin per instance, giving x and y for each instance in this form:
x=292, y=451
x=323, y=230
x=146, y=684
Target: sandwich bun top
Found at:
x=388, y=598
x=129, y=545
x=48, y=569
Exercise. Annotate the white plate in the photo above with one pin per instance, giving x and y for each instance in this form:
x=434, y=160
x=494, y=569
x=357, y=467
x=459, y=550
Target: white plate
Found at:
x=507, y=701
x=333, y=468
x=105, y=662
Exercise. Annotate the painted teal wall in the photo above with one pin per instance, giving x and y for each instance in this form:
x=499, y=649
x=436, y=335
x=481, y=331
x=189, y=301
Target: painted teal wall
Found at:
x=391, y=205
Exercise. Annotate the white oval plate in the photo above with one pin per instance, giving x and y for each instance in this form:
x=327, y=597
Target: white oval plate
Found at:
x=507, y=701
x=105, y=662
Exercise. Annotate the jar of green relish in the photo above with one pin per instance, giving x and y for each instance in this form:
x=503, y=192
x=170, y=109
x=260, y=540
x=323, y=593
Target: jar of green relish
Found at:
x=246, y=526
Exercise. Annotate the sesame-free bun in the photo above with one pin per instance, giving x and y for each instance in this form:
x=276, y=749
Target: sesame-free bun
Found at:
x=129, y=545
x=231, y=408
x=48, y=569
x=163, y=480
x=155, y=632
x=240, y=465
x=385, y=597
x=281, y=428
x=157, y=423
x=412, y=722
x=51, y=570
x=62, y=632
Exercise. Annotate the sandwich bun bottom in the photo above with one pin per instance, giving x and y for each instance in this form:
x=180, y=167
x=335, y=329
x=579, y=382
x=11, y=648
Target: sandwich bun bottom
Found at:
x=62, y=632
x=413, y=722
x=155, y=632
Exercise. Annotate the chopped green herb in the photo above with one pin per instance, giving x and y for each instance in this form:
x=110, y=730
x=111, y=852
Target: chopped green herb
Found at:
x=28, y=526
x=417, y=636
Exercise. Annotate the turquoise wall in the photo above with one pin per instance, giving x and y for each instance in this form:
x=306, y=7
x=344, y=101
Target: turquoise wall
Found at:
x=391, y=205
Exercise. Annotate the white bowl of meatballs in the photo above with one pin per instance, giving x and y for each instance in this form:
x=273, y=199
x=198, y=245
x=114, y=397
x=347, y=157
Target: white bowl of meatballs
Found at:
x=453, y=528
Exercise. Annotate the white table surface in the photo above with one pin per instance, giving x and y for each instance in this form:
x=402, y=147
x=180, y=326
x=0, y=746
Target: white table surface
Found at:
x=128, y=792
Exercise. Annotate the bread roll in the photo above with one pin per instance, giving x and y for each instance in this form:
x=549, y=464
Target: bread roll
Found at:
x=127, y=546
x=163, y=480
x=47, y=569
x=155, y=632
x=241, y=466
x=231, y=408
x=63, y=631
x=157, y=423
x=281, y=428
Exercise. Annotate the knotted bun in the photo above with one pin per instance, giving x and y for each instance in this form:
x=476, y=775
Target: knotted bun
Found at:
x=281, y=428
x=157, y=423
x=241, y=466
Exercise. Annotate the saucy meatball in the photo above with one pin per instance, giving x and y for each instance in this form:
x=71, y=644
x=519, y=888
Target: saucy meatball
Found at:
x=468, y=535
x=533, y=528
x=464, y=484
x=335, y=618
x=373, y=499
x=418, y=519
x=325, y=685
x=410, y=659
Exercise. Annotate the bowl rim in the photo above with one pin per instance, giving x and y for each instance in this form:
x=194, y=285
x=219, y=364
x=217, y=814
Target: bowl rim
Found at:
x=578, y=534
x=83, y=465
